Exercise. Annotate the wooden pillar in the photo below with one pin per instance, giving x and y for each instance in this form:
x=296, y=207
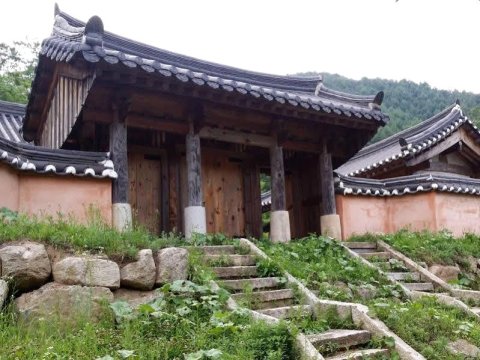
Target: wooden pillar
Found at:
x=327, y=185
x=194, y=170
x=329, y=220
x=195, y=216
x=121, y=210
x=279, y=217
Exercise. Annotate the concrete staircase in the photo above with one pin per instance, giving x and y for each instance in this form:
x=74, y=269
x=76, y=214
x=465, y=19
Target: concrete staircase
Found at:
x=395, y=269
x=271, y=297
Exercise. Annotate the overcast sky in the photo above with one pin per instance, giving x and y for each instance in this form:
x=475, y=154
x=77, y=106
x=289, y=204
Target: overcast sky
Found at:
x=436, y=41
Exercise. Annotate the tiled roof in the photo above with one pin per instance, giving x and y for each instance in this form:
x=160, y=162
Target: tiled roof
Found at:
x=27, y=157
x=16, y=152
x=266, y=200
x=11, y=121
x=407, y=143
x=411, y=184
x=73, y=38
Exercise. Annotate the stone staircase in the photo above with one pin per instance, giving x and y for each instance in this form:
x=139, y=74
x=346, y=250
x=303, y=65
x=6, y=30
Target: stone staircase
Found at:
x=395, y=269
x=271, y=297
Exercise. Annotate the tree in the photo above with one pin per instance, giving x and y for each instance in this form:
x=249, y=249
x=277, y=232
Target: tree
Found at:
x=17, y=70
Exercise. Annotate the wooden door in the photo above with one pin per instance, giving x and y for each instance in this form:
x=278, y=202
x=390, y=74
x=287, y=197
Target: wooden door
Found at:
x=144, y=175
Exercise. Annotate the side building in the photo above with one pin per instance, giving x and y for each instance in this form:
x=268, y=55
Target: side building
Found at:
x=425, y=177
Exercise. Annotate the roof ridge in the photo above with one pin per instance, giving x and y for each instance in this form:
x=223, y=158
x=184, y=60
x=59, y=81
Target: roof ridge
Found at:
x=12, y=107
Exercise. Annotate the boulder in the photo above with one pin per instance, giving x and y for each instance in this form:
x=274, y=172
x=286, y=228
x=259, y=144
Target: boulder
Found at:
x=87, y=271
x=172, y=264
x=27, y=263
x=63, y=302
x=140, y=274
x=136, y=298
x=3, y=292
x=464, y=349
x=445, y=272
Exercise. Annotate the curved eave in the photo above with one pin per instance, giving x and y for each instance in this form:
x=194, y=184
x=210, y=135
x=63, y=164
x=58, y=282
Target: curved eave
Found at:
x=406, y=185
x=35, y=159
x=415, y=141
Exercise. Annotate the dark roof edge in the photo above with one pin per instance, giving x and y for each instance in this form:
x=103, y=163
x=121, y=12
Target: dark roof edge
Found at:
x=12, y=108
x=27, y=157
x=405, y=185
x=120, y=43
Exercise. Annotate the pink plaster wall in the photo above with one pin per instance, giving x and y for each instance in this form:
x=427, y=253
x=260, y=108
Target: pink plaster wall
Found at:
x=458, y=213
x=8, y=187
x=360, y=215
x=434, y=211
x=44, y=195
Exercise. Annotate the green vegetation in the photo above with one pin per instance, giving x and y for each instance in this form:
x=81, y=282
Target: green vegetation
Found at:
x=326, y=268
x=437, y=248
x=17, y=69
x=186, y=321
x=428, y=326
x=96, y=237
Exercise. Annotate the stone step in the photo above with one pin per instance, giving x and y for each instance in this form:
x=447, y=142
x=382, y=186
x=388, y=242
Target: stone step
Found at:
x=267, y=299
x=360, y=245
x=252, y=283
x=341, y=338
x=288, y=311
x=376, y=255
x=216, y=249
x=230, y=272
x=419, y=286
x=364, y=251
x=399, y=276
x=359, y=354
x=231, y=260
x=476, y=310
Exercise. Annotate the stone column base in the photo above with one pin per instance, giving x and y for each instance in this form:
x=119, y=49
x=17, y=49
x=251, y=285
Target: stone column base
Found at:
x=195, y=220
x=280, y=226
x=121, y=216
x=330, y=226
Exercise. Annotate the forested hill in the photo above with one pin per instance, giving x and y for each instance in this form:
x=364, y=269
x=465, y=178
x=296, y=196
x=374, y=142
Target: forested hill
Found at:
x=406, y=102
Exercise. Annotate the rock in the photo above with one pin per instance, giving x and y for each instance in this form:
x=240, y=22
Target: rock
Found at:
x=135, y=297
x=474, y=264
x=27, y=263
x=141, y=273
x=446, y=273
x=463, y=348
x=64, y=302
x=87, y=271
x=366, y=292
x=172, y=264
x=343, y=287
x=3, y=292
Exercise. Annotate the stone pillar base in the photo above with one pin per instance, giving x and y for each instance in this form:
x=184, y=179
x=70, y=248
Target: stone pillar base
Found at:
x=195, y=220
x=330, y=226
x=280, y=226
x=121, y=216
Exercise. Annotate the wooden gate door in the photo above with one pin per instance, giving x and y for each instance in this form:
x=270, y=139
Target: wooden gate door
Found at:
x=144, y=175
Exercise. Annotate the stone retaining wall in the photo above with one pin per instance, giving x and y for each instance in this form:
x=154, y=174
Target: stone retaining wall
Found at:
x=44, y=284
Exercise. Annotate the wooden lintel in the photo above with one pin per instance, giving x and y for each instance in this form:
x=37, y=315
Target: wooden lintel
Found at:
x=236, y=137
x=157, y=123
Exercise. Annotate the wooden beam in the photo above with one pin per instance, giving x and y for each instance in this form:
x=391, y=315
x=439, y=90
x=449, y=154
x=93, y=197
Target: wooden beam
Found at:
x=435, y=150
x=236, y=137
x=277, y=178
x=118, y=150
x=327, y=185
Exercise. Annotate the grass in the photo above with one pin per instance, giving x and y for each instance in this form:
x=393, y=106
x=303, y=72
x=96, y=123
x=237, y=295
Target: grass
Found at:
x=185, y=321
x=425, y=324
x=437, y=248
x=325, y=267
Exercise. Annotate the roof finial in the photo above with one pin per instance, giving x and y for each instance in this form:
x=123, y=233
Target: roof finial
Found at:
x=378, y=98
x=56, y=10
x=93, y=34
x=457, y=102
x=319, y=85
